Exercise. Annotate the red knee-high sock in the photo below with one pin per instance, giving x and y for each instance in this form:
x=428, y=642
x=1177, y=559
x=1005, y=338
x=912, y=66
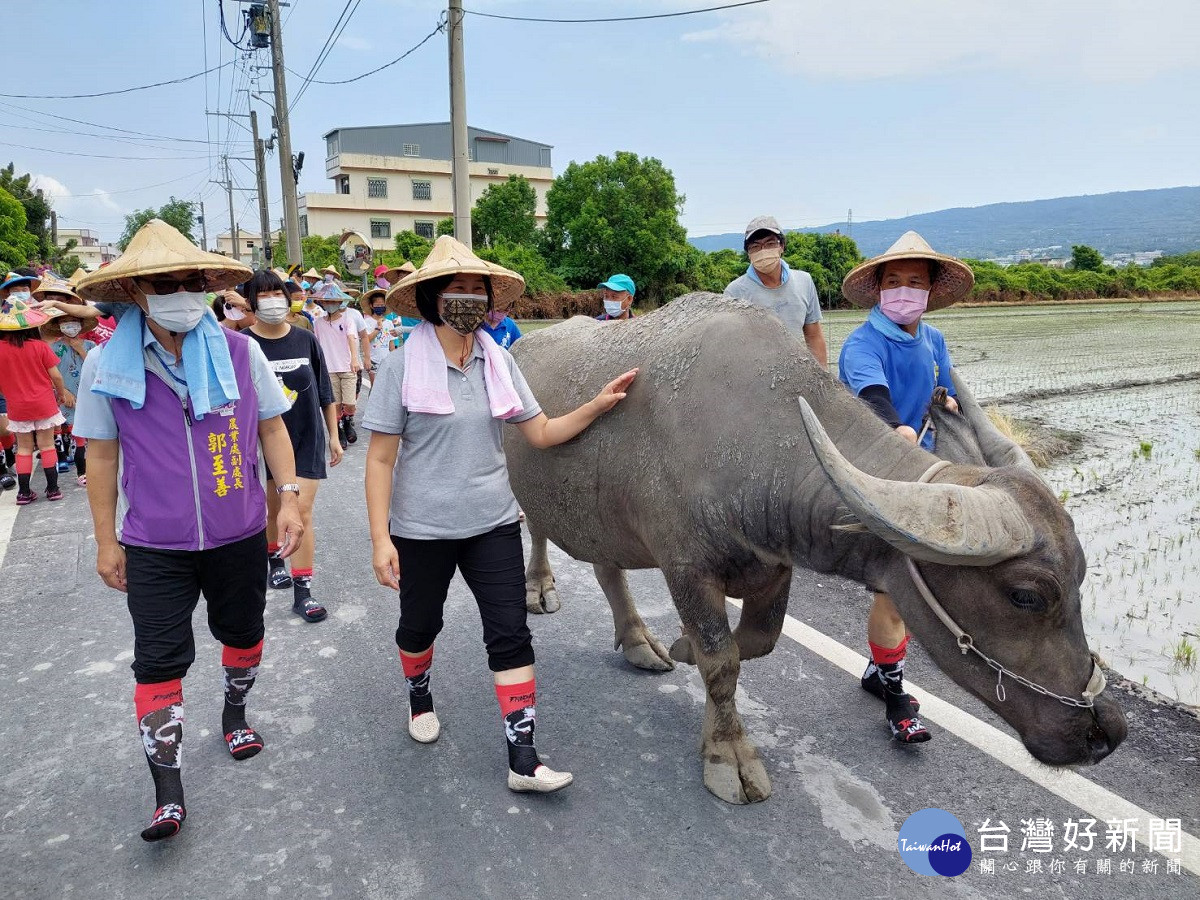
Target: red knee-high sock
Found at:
x=160, y=718
x=883, y=655
x=273, y=548
x=24, y=463
x=416, y=673
x=518, y=706
x=7, y=441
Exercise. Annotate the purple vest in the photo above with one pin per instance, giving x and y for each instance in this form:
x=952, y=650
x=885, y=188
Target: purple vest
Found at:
x=191, y=484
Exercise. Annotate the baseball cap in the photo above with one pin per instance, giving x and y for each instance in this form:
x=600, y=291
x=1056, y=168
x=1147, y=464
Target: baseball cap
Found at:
x=380, y=269
x=763, y=223
x=619, y=283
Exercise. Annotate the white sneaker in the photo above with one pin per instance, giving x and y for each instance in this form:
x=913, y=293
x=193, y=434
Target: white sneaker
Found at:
x=544, y=780
x=425, y=728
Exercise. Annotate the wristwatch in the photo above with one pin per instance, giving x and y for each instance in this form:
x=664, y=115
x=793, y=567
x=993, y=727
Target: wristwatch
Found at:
x=288, y=489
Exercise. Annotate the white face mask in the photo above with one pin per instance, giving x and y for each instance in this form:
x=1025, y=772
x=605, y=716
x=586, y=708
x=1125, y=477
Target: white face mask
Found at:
x=233, y=314
x=614, y=307
x=179, y=312
x=71, y=329
x=272, y=308
x=766, y=260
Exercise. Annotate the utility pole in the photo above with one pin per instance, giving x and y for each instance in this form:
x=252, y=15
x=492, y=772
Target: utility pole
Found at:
x=460, y=173
x=287, y=175
x=233, y=229
x=260, y=169
x=203, y=228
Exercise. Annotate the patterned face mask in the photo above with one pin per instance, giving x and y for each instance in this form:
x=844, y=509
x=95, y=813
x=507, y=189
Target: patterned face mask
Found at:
x=464, y=312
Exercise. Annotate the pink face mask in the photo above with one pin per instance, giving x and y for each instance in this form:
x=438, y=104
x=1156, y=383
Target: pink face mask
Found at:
x=382, y=282
x=903, y=305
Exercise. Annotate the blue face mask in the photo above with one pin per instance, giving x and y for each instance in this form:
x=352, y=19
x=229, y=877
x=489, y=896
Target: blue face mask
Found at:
x=21, y=294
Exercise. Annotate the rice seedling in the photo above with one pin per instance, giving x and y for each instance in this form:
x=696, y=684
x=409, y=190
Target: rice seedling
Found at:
x=1184, y=653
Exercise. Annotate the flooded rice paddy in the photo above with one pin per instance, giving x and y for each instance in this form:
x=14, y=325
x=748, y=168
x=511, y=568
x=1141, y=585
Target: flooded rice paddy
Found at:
x=1126, y=379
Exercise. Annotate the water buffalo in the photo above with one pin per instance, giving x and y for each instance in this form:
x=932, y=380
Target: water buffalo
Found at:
x=734, y=459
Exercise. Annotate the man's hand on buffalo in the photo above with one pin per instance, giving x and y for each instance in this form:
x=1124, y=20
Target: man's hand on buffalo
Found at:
x=907, y=433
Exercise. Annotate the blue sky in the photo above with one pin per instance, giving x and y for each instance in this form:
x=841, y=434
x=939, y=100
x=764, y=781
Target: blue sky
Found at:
x=799, y=108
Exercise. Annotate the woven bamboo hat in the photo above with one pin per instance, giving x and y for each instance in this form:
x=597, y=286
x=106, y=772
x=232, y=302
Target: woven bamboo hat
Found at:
x=64, y=288
x=158, y=249
x=953, y=282
x=17, y=315
x=370, y=295
x=394, y=273
x=52, y=330
x=311, y=274
x=76, y=276
x=451, y=257
x=331, y=270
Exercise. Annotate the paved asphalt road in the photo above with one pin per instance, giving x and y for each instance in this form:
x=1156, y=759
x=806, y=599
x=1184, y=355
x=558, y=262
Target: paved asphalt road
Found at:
x=343, y=804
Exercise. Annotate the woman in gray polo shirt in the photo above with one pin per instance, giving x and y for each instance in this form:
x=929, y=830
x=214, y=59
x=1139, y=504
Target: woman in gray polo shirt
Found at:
x=439, y=404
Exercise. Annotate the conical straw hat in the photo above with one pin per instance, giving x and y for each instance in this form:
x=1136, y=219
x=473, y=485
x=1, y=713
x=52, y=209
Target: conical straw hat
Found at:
x=394, y=273
x=158, y=249
x=56, y=287
x=451, y=257
x=76, y=276
x=311, y=274
x=17, y=315
x=52, y=330
x=953, y=282
x=370, y=295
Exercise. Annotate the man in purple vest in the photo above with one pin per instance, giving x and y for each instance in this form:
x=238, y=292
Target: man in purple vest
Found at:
x=176, y=408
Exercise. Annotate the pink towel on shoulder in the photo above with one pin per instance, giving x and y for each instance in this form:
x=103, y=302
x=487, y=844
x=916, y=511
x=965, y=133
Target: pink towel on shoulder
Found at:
x=426, y=389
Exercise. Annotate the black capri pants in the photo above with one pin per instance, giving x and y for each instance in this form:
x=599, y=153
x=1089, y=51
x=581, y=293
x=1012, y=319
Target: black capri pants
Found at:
x=493, y=566
x=164, y=587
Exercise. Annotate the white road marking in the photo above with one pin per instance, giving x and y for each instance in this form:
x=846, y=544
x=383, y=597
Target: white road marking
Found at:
x=1088, y=796
x=8, y=518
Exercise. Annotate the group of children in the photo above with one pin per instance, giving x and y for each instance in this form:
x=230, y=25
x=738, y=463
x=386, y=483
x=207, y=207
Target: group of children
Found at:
x=45, y=335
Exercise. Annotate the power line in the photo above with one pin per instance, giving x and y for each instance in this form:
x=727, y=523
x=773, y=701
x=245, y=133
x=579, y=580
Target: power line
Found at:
x=225, y=29
x=441, y=26
x=137, y=134
x=141, y=87
x=686, y=12
x=327, y=48
x=95, y=155
x=145, y=187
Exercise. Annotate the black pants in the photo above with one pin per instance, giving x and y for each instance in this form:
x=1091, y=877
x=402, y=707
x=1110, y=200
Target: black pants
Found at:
x=493, y=566
x=164, y=587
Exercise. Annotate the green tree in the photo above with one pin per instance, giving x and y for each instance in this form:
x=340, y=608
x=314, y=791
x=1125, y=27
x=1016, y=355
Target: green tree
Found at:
x=618, y=214
x=826, y=257
x=526, y=262
x=17, y=245
x=412, y=247
x=505, y=212
x=179, y=214
x=37, y=209
x=445, y=226
x=1086, y=259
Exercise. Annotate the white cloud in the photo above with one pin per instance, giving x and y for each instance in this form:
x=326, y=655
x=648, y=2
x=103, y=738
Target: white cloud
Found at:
x=95, y=209
x=1094, y=40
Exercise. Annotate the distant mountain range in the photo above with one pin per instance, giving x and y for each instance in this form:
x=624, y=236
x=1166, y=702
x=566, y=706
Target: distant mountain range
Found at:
x=1124, y=222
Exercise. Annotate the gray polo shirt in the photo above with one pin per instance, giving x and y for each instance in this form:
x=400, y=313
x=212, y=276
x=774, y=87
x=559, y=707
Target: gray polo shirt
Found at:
x=795, y=301
x=451, y=478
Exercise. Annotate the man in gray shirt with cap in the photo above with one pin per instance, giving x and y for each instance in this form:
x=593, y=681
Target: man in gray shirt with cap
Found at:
x=772, y=284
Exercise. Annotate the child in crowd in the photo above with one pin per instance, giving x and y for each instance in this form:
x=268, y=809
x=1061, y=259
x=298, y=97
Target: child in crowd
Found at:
x=68, y=336
x=33, y=388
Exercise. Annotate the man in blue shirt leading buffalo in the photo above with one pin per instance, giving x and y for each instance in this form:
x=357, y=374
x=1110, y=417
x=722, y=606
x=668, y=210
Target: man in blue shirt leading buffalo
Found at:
x=893, y=362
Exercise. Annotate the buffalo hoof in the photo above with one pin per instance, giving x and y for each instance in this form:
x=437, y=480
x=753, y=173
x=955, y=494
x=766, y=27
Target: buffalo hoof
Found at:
x=734, y=773
x=541, y=597
x=681, y=651
x=644, y=650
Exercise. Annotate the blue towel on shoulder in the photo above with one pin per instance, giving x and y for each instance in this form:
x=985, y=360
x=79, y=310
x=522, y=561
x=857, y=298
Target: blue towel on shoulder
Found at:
x=207, y=366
